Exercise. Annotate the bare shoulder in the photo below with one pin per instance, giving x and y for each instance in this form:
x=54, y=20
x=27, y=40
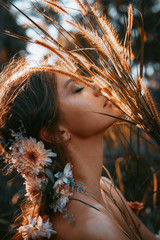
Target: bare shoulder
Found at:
x=111, y=190
x=100, y=227
x=106, y=184
x=89, y=225
x=132, y=219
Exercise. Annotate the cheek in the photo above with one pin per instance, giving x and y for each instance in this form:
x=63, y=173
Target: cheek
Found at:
x=76, y=117
x=81, y=119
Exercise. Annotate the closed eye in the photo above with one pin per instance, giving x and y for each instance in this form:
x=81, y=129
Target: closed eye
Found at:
x=79, y=89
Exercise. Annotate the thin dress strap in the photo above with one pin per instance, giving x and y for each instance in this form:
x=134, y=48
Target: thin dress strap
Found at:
x=76, y=199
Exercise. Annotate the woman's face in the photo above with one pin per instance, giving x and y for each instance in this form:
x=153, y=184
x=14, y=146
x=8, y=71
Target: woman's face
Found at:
x=79, y=107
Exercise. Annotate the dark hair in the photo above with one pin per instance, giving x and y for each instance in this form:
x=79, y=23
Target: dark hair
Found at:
x=28, y=96
x=29, y=99
x=34, y=107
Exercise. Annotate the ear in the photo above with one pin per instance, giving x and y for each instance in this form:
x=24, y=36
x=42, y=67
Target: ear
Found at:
x=61, y=135
x=64, y=134
x=44, y=135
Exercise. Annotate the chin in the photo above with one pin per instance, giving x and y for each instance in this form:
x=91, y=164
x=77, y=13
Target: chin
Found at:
x=111, y=120
x=117, y=112
x=113, y=111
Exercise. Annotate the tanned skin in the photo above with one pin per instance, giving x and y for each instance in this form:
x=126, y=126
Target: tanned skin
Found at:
x=82, y=129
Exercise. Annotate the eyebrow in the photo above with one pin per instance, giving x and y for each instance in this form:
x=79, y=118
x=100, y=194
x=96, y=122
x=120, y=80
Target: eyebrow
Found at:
x=68, y=82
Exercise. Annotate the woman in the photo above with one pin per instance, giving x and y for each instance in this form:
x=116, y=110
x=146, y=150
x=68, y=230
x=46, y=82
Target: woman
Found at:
x=41, y=105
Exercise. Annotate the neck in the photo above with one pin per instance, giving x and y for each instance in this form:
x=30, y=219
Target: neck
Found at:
x=87, y=160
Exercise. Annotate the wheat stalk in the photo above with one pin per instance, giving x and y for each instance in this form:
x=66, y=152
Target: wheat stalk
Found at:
x=82, y=7
x=151, y=104
x=111, y=70
x=56, y=7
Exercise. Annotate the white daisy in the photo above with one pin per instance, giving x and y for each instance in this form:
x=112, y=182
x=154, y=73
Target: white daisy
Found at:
x=36, y=228
x=44, y=228
x=60, y=204
x=67, y=170
x=28, y=230
x=63, y=177
x=62, y=188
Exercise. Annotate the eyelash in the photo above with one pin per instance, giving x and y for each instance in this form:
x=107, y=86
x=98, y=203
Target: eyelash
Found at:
x=78, y=89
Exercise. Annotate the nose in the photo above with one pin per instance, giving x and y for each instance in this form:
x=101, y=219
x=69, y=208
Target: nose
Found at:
x=96, y=90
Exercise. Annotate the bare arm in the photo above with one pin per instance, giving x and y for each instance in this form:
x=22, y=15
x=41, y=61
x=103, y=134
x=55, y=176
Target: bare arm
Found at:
x=130, y=215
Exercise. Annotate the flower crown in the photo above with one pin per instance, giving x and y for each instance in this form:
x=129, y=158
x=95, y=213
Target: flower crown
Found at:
x=30, y=158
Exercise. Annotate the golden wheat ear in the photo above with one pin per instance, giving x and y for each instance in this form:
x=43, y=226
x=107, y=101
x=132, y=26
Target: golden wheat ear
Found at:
x=82, y=7
x=110, y=69
x=55, y=6
x=151, y=104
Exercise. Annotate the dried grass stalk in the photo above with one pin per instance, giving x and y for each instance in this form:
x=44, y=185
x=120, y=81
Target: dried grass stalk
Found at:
x=155, y=185
x=111, y=70
x=151, y=104
x=130, y=19
x=119, y=174
x=82, y=7
x=56, y=7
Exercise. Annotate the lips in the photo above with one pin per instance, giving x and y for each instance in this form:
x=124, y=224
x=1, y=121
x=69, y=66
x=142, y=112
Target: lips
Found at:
x=105, y=103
